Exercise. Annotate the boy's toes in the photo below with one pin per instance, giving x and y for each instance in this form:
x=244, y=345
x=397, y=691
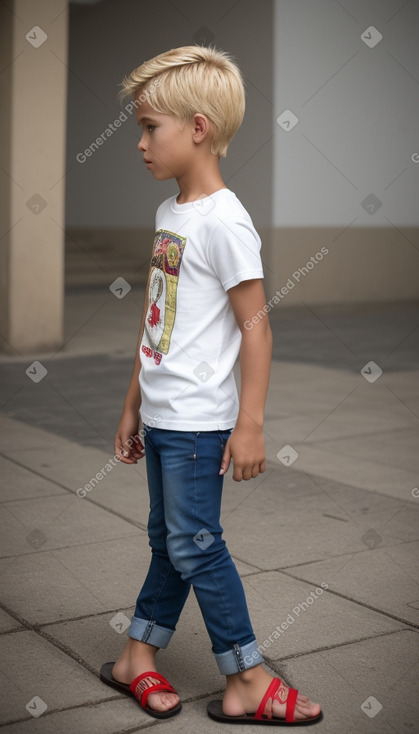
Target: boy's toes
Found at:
x=162, y=701
x=306, y=709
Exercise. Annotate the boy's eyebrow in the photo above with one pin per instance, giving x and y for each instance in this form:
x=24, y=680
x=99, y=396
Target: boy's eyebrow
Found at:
x=146, y=118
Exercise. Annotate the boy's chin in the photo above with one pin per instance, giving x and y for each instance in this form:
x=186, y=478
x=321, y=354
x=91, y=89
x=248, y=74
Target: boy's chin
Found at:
x=162, y=175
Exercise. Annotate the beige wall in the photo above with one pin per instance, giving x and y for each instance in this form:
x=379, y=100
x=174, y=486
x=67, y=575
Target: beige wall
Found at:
x=33, y=148
x=357, y=265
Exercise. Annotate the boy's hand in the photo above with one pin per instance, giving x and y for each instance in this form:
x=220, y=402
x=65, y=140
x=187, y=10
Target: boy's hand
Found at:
x=128, y=445
x=246, y=446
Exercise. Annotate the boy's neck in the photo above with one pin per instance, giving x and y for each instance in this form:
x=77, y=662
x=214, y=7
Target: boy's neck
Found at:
x=200, y=182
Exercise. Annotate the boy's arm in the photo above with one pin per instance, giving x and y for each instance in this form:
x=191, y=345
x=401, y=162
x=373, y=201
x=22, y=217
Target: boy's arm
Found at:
x=129, y=423
x=246, y=445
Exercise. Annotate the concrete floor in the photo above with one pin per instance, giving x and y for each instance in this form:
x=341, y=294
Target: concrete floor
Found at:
x=343, y=513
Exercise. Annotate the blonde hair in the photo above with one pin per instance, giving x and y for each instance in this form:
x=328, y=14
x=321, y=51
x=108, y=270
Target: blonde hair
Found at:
x=191, y=79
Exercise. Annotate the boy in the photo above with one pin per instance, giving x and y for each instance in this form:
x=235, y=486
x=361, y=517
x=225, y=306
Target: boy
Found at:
x=205, y=283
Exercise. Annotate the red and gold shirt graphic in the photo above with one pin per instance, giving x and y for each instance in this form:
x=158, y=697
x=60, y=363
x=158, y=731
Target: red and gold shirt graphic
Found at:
x=162, y=287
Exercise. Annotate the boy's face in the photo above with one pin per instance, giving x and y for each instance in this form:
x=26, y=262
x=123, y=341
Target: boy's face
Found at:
x=166, y=143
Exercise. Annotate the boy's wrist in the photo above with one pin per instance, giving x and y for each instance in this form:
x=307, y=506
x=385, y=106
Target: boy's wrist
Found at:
x=248, y=422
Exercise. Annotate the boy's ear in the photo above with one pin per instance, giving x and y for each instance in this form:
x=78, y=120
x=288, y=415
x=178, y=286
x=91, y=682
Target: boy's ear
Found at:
x=201, y=128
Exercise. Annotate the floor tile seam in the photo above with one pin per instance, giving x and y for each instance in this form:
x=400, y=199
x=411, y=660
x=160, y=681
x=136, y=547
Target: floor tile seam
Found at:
x=71, y=491
x=346, y=643
x=116, y=697
x=240, y=560
x=70, y=547
x=297, y=444
x=359, y=603
x=30, y=499
x=284, y=569
x=56, y=710
x=34, y=627
x=331, y=557
x=381, y=432
x=272, y=464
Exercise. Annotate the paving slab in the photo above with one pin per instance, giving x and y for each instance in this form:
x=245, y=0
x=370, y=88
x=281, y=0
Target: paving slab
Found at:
x=194, y=719
x=351, y=503
x=394, y=521
x=86, y=409
x=31, y=667
x=16, y=435
x=320, y=403
x=8, y=623
x=65, y=465
x=307, y=618
x=382, y=669
x=77, y=581
x=54, y=522
x=383, y=578
x=342, y=335
x=245, y=569
x=407, y=388
x=187, y=662
x=394, y=449
x=118, y=715
x=320, y=462
x=262, y=518
x=19, y=483
x=306, y=390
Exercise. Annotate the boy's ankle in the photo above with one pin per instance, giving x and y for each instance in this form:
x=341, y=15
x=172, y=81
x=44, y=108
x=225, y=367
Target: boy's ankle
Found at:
x=246, y=676
x=137, y=647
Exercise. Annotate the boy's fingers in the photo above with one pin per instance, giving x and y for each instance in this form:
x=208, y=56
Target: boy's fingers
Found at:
x=225, y=462
x=248, y=472
x=126, y=450
x=139, y=446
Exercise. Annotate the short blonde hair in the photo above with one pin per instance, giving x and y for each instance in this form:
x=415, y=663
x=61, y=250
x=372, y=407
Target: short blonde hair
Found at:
x=191, y=79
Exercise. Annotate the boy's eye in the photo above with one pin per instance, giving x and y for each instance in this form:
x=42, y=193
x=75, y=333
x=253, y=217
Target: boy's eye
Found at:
x=150, y=128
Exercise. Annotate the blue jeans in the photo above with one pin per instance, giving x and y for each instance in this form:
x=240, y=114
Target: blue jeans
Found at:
x=187, y=549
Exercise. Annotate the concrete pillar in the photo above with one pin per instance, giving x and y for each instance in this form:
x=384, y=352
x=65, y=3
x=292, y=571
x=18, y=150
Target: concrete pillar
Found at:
x=33, y=88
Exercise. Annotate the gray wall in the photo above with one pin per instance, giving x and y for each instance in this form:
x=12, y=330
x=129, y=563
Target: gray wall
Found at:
x=107, y=40
x=358, y=110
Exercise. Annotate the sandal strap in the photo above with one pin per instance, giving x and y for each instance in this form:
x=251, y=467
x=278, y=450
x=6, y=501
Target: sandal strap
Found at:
x=277, y=691
x=141, y=688
x=291, y=700
x=260, y=713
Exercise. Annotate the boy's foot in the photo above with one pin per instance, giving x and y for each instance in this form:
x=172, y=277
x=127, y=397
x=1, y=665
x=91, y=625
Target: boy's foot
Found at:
x=246, y=690
x=135, y=660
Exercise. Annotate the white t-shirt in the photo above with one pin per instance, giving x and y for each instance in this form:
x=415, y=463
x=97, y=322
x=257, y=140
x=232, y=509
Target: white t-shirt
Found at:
x=191, y=339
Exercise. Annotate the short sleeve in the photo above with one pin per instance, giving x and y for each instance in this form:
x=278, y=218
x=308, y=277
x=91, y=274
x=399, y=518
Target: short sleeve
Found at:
x=234, y=252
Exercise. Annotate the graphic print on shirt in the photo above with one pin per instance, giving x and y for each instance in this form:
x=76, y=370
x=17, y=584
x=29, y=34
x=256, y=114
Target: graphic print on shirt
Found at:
x=163, y=280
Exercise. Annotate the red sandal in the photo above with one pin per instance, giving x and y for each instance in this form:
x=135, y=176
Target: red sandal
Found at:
x=141, y=688
x=277, y=691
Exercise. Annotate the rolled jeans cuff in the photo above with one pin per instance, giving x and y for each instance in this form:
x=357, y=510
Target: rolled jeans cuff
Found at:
x=146, y=630
x=239, y=658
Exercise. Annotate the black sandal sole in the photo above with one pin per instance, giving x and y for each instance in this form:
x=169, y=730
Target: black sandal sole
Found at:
x=215, y=711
